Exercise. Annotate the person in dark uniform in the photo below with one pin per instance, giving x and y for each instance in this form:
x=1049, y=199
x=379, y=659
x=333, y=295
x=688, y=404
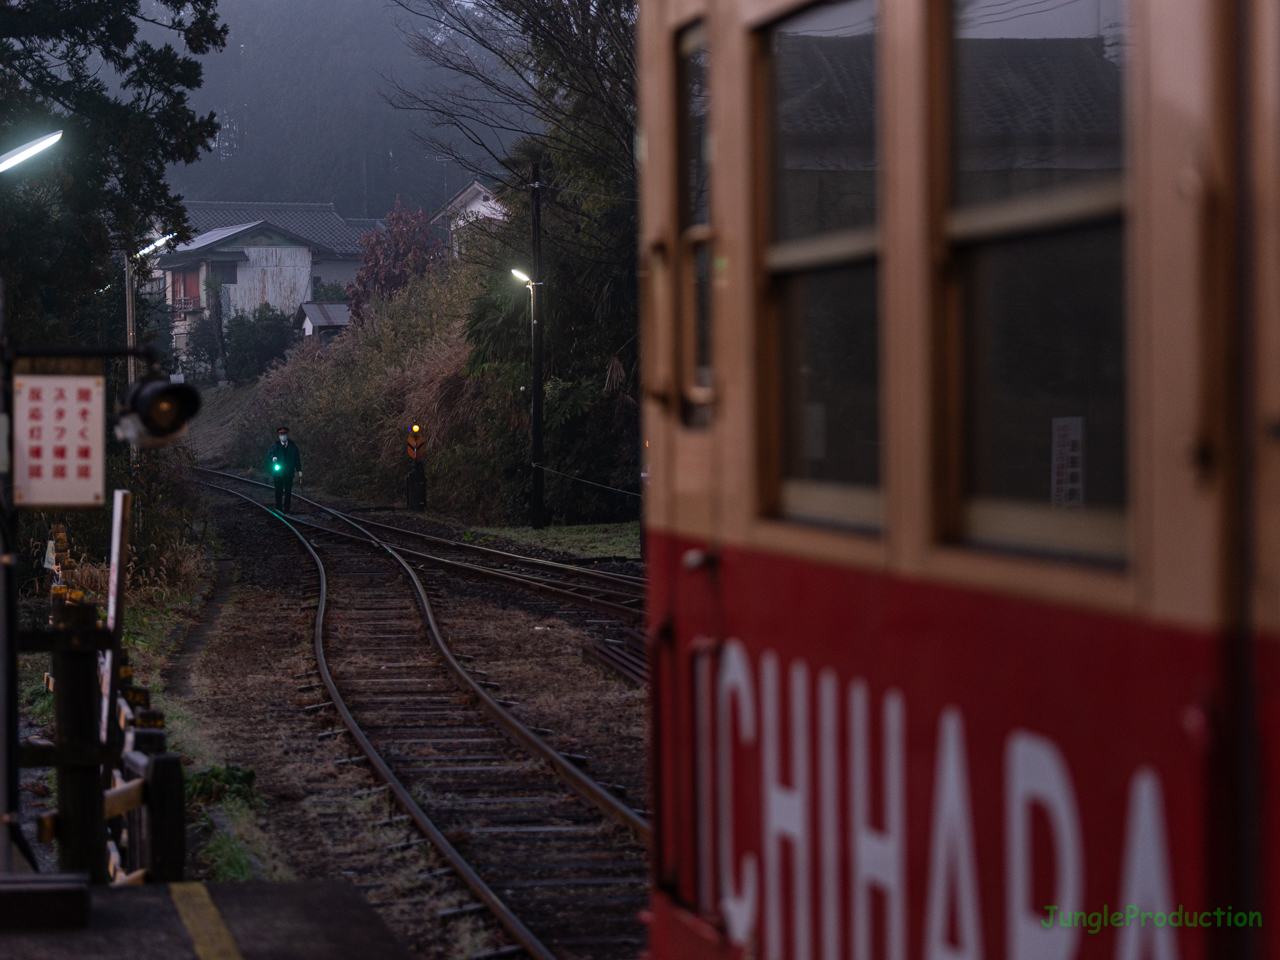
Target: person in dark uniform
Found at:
x=284, y=462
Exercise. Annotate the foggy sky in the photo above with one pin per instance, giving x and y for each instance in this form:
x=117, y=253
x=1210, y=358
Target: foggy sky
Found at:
x=297, y=92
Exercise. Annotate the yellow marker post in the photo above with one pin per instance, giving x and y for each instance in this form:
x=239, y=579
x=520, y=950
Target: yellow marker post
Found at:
x=209, y=933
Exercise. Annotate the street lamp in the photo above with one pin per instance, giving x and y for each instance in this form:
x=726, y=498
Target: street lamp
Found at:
x=523, y=278
x=27, y=150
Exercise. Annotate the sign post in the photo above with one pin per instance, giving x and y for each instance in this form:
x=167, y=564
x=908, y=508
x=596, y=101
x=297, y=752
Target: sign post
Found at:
x=52, y=449
x=415, y=483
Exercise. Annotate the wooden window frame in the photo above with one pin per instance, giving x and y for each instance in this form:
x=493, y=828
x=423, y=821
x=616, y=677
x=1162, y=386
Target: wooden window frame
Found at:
x=721, y=483
x=780, y=259
x=1034, y=213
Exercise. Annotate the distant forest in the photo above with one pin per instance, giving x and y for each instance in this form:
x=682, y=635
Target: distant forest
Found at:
x=297, y=92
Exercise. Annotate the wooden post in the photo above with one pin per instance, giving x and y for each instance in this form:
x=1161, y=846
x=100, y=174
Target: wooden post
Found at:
x=535, y=316
x=82, y=837
x=166, y=800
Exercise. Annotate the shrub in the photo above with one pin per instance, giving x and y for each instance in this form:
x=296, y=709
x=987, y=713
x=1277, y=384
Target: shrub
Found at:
x=326, y=291
x=221, y=783
x=255, y=341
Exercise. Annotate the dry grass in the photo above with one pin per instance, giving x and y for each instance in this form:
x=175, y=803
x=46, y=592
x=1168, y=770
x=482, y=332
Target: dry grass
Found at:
x=580, y=540
x=211, y=432
x=183, y=566
x=350, y=401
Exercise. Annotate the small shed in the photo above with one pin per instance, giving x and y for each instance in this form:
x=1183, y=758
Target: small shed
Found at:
x=324, y=319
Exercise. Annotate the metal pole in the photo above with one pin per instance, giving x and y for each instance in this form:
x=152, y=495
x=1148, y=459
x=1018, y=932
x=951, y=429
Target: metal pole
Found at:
x=535, y=313
x=9, y=648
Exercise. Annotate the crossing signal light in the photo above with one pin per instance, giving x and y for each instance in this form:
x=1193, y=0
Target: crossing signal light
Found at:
x=156, y=411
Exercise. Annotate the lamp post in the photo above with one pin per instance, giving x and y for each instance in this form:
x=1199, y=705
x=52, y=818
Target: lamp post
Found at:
x=8, y=588
x=535, y=426
x=535, y=318
x=130, y=328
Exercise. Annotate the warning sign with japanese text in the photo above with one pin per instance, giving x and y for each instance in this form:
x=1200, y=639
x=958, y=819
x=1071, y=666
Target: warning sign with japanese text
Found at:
x=58, y=429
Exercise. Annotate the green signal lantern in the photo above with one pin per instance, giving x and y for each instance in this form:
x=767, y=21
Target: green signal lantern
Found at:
x=275, y=464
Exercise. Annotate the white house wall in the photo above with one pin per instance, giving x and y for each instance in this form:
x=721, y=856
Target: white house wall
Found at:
x=335, y=271
x=280, y=276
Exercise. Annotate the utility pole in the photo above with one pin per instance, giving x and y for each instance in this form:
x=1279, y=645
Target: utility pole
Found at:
x=130, y=333
x=131, y=341
x=535, y=316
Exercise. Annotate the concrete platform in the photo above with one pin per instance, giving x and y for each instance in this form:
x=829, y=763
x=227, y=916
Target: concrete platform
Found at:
x=227, y=921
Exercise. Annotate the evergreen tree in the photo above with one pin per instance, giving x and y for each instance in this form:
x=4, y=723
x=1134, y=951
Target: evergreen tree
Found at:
x=122, y=101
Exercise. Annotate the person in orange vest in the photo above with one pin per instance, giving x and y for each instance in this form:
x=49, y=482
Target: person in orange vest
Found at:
x=284, y=462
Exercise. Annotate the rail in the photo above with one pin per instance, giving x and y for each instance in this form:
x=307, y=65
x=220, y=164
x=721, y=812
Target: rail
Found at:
x=473, y=880
x=475, y=548
x=583, y=784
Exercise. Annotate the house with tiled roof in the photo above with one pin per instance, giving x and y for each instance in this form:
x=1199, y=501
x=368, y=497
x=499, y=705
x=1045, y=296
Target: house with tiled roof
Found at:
x=474, y=203
x=257, y=253
x=319, y=223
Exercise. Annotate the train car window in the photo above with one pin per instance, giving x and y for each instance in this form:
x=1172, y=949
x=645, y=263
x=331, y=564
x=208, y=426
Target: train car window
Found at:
x=695, y=232
x=1037, y=234
x=823, y=259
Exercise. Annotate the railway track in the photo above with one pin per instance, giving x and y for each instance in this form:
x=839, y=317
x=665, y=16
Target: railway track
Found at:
x=618, y=596
x=564, y=871
x=614, y=593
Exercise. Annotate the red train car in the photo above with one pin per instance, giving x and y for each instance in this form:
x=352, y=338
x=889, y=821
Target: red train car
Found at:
x=961, y=328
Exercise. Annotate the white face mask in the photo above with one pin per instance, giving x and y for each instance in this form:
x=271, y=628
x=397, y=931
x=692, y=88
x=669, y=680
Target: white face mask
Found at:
x=284, y=438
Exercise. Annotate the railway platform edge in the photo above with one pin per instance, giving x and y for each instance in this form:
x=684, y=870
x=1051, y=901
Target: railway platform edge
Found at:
x=319, y=920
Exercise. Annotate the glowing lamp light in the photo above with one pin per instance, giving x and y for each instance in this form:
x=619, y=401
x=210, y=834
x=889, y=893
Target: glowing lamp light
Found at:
x=157, y=245
x=523, y=278
x=18, y=154
x=416, y=428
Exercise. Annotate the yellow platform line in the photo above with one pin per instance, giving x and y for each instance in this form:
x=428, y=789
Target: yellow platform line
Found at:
x=209, y=933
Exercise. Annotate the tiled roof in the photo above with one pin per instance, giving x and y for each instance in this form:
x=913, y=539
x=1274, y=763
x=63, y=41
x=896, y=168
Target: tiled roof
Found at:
x=825, y=87
x=365, y=224
x=202, y=247
x=318, y=222
x=1062, y=91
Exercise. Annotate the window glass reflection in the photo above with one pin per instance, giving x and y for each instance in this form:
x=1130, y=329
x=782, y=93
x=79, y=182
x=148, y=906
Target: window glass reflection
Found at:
x=1046, y=369
x=1037, y=96
x=693, y=125
x=832, y=424
x=824, y=101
